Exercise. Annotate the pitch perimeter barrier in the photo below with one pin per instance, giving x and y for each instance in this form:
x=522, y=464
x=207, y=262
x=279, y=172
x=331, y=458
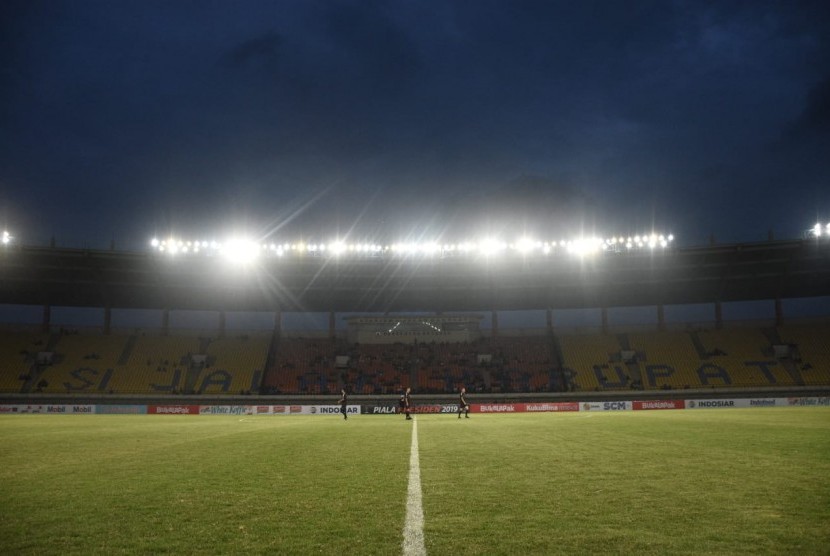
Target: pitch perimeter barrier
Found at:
x=392, y=409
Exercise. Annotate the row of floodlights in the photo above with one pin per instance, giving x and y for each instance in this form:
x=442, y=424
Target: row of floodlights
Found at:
x=820, y=230
x=244, y=249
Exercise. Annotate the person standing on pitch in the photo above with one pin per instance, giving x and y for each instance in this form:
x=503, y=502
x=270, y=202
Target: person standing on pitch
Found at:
x=344, y=402
x=404, y=403
x=463, y=406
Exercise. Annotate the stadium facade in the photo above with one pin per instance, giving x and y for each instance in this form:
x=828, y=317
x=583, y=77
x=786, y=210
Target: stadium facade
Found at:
x=715, y=274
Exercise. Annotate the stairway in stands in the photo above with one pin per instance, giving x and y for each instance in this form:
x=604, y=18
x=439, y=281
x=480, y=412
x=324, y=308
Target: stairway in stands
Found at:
x=635, y=375
x=771, y=333
x=124, y=358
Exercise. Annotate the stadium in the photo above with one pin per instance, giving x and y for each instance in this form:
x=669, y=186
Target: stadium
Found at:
x=414, y=278
x=424, y=316
x=430, y=317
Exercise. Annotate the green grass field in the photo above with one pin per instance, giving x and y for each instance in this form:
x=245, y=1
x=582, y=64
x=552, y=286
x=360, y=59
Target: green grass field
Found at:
x=657, y=482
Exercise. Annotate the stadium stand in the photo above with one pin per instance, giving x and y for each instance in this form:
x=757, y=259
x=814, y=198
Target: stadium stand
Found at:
x=154, y=363
x=740, y=357
x=71, y=362
x=590, y=357
x=669, y=359
x=810, y=351
x=522, y=364
x=446, y=367
x=303, y=366
x=241, y=358
x=380, y=368
x=81, y=362
x=18, y=356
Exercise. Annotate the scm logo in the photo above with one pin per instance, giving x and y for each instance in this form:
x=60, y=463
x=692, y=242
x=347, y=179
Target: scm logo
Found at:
x=614, y=406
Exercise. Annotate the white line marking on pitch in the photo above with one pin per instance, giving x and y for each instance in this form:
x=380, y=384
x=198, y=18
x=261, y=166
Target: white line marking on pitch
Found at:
x=413, y=528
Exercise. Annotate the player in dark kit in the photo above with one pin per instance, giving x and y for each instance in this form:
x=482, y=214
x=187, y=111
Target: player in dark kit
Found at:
x=344, y=402
x=463, y=406
x=404, y=403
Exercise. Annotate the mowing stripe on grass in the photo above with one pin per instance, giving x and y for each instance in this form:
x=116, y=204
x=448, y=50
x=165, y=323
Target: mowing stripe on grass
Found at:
x=413, y=528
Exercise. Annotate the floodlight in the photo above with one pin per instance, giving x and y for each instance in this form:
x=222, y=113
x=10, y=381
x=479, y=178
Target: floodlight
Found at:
x=430, y=248
x=525, y=245
x=337, y=247
x=490, y=246
x=402, y=248
x=584, y=246
x=240, y=251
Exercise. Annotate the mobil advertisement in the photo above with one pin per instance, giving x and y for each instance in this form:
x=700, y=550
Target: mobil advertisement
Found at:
x=75, y=408
x=605, y=406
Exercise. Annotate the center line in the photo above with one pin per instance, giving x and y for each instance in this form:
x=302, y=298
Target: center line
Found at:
x=413, y=528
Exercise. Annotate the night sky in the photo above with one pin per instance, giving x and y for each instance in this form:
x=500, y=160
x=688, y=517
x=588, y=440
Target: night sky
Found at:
x=120, y=120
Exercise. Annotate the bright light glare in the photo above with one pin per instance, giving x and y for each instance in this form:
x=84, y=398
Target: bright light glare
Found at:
x=240, y=251
x=6, y=238
x=490, y=246
x=820, y=230
x=337, y=247
x=244, y=251
x=585, y=246
x=525, y=245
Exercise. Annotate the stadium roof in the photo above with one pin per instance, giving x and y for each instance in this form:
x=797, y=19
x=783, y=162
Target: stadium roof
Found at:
x=736, y=272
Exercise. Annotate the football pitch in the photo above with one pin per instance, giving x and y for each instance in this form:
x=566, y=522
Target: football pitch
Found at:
x=656, y=482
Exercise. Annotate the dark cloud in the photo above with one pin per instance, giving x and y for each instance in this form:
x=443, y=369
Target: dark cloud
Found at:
x=377, y=52
x=122, y=117
x=260, y=51
x=814, y=121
